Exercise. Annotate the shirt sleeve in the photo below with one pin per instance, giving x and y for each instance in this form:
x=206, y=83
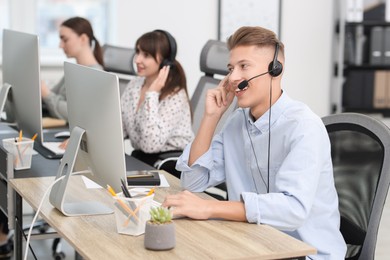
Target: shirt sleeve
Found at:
x=125, y=106
x=207, y=171
x=56, y=101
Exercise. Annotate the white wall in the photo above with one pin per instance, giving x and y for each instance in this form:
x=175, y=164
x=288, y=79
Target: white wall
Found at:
x=307, y=32
x=192, y=23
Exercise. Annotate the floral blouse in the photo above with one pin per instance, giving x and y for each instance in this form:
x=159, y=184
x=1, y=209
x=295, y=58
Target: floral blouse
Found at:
x=157, y=126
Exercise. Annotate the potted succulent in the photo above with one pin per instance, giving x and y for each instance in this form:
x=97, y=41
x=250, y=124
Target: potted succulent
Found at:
x=160, y=230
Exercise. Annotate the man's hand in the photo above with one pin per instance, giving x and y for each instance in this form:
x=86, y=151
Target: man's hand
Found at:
x=219, y=99
x=187, y=204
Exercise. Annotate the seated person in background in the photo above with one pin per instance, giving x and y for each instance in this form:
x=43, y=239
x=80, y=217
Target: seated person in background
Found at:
x=79, y=42
x=293, y=189
x=6, y=242
x=156, y=112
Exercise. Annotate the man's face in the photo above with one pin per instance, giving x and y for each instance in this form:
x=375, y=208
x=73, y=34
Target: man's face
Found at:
x=246, y=62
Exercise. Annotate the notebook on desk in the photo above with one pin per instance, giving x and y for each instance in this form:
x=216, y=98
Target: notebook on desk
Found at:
x=143, y=178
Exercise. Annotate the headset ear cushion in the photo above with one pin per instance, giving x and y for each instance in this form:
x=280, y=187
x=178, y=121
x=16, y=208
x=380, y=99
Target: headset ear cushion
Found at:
x=275, y=69
x=167, y=62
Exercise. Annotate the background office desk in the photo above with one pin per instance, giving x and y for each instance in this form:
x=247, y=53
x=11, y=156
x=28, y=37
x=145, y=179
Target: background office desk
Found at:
x=40, y=167
x=96, y=237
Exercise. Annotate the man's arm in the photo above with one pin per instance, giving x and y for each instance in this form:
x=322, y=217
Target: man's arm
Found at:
x=189, y=205
x=217, y=102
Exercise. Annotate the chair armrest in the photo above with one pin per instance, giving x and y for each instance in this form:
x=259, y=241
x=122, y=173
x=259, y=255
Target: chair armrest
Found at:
x=165, y=157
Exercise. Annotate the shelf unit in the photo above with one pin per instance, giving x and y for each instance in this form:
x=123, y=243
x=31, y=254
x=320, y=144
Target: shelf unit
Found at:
x=353, y=66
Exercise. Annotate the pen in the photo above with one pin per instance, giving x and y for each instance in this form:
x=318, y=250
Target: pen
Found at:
x=125, y=190
x=20, y=135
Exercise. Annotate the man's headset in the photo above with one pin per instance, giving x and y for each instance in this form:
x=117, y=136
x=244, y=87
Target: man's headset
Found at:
x=170, y=61
x=275, y=68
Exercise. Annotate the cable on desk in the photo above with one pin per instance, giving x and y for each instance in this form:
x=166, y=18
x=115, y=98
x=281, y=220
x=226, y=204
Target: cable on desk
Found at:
x=24, y=235
x=40, y=206
x=37, y=213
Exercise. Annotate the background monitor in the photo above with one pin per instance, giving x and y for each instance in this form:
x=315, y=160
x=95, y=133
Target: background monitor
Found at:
x=21, y=70
x=96, y=141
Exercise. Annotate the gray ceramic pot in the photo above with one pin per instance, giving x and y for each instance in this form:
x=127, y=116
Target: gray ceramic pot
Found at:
x=160, y=236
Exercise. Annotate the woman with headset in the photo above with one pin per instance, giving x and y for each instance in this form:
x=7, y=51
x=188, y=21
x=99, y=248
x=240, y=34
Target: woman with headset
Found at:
x=156, y=111
x=79, y=42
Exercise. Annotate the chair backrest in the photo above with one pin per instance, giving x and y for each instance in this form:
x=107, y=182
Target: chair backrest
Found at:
x=119, y=60
x=213, y=60
x=361, y=162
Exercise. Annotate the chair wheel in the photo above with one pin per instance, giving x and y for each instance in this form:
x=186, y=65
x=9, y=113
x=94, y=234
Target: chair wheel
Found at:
x=43, y=229
x=59, y=255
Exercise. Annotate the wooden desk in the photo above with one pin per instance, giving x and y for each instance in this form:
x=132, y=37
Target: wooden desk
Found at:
x=96, y=237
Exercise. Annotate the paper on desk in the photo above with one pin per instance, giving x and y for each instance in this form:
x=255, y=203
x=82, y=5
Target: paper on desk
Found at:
x=93, y=185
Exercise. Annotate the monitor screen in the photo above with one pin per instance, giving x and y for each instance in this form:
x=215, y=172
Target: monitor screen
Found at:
x=21, y=71
x=96, y=141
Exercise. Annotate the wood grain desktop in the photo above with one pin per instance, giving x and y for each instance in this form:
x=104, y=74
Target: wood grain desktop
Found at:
x=96, y=237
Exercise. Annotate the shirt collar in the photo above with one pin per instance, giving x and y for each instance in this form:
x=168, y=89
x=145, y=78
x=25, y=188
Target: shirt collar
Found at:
x=277, y=110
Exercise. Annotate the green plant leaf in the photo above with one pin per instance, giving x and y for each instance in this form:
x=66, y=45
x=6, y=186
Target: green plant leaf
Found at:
x=160, y=215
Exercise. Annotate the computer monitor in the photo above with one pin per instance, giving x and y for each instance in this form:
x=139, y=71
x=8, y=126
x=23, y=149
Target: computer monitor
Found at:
x=96, y=140
x=21, y=73
x=21, y=84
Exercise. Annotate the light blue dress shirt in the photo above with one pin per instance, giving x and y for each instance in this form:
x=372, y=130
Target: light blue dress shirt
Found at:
x=302, y=199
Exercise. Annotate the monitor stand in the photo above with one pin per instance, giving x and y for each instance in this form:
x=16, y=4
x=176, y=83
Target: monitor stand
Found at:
x=58, y=192
x=3, y=95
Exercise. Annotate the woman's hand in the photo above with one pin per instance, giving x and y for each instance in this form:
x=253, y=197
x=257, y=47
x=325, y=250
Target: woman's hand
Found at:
x=64, y=144
x=45, y=91
x=161, y=79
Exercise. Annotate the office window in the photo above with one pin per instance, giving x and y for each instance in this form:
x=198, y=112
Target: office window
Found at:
x=4, y=16
x=51, y=13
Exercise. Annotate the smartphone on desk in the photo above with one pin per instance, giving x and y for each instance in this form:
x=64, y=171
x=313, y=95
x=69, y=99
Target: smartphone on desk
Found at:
x=143, y=178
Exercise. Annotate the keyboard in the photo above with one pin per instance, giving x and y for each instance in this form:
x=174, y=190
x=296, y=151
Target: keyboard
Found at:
x=54, y=147
x=47, y=153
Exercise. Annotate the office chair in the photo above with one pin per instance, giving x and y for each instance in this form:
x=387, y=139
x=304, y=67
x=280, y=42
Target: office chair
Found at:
x=360, y=148
x=119, y=60
x=213, y=61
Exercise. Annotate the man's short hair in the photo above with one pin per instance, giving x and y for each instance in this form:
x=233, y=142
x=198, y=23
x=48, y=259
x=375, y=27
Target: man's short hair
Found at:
x=254, y=36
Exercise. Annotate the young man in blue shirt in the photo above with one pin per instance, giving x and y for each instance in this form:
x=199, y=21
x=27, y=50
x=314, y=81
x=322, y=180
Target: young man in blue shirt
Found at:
x=273, y=152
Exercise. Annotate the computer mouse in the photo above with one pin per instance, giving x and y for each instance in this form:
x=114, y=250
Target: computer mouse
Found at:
x=62, y=134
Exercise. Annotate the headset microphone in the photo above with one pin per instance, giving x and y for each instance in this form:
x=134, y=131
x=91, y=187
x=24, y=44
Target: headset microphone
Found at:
x=243, y=84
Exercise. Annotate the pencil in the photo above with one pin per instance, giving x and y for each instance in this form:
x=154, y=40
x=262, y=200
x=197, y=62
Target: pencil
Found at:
x=34, y=137
x=150, y=192
x=124, y=206
x=19, y=157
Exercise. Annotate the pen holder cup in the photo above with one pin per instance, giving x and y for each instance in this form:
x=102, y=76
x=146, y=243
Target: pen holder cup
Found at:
x=131, y=214
x=21, y=151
